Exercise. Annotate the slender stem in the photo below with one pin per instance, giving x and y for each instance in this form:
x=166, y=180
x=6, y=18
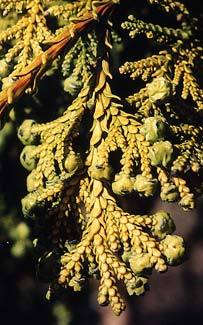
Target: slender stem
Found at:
x=31, y=74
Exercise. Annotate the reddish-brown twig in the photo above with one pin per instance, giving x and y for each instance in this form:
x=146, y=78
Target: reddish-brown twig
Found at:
x=29, y=76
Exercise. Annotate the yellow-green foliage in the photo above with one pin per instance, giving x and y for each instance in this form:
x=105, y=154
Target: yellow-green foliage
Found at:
x=73, y=182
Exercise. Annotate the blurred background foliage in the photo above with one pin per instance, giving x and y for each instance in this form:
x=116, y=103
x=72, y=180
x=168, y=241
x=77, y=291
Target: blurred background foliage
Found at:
x=174, y=298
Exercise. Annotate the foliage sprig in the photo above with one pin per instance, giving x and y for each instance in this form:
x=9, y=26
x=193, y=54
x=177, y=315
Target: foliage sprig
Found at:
x=102, y=147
